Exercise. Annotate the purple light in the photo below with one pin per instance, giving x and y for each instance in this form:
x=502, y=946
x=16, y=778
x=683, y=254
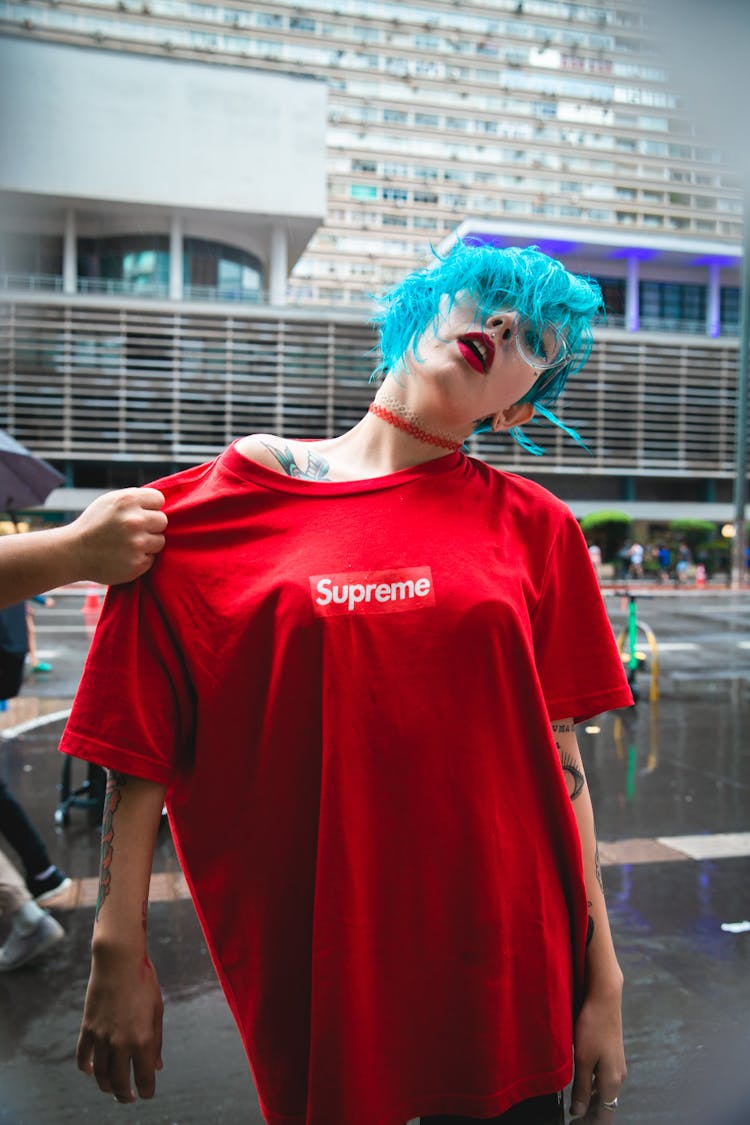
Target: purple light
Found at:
x=551, y=246
x=640, y=253
x=716, y=260
x=479, y=239
x=555, y=246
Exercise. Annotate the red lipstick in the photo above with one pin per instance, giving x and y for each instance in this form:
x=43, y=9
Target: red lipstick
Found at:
x=478, y=350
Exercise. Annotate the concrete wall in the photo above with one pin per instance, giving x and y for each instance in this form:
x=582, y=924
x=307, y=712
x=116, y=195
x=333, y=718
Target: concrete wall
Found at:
x=87, y=124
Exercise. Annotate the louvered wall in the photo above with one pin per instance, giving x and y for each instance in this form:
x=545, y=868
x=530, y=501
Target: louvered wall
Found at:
x=96, y=380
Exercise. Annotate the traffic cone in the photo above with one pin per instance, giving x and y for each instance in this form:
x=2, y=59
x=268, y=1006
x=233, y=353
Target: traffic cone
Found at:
x=92, y=607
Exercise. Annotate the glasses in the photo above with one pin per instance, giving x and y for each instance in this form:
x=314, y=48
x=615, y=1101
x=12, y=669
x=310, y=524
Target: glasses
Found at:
x=542, y=347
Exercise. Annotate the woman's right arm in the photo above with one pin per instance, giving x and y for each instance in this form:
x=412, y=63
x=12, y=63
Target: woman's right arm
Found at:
x=122, y=1018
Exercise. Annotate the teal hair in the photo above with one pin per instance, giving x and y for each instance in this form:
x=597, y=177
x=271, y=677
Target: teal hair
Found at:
x=522, y=279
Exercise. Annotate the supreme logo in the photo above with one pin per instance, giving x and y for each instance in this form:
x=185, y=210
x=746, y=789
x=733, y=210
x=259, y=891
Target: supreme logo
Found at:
x=379, y=591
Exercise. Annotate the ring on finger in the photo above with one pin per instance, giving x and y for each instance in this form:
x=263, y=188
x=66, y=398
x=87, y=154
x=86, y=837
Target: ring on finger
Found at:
x=611, y=1106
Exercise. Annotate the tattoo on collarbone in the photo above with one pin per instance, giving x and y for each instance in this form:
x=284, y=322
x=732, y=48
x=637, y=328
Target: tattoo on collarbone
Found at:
x=573, y=774
x=116, y=782
x=315, y=469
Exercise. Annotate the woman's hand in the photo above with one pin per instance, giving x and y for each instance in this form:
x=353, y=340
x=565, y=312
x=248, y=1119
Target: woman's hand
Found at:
x=600, y=1068
x=122, y=1026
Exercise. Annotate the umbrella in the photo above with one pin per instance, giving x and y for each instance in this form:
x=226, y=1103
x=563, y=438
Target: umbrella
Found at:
x=25, y=480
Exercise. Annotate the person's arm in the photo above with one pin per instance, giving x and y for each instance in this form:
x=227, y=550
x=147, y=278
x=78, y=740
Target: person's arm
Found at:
x=114, y=540
x=598, y=1041
x=122, y=1019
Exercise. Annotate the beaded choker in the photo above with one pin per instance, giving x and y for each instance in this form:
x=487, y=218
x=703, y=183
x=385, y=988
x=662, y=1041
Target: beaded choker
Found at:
x=412, y=428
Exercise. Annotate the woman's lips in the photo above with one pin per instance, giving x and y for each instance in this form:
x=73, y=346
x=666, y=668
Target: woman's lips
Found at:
x=480, y=355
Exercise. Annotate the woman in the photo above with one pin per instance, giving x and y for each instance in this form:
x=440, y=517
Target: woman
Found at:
x=353, y=674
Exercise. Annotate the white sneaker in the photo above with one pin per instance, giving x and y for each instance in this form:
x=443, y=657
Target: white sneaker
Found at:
x=21, y=948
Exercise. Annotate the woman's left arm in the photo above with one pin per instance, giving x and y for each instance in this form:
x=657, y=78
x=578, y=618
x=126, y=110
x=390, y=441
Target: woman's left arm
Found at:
x=599, y=1051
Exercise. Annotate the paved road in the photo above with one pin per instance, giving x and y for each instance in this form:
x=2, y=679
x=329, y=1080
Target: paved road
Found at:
x=675, y=771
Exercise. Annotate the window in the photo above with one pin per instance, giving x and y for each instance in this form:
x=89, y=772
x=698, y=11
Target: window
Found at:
x=363, y=191
x=672, y=302
x=397, y=115
x=364, y=166
x=730, y=307
x=395, y=193
x=36, y=254
x=430, y=119
x=425, y=197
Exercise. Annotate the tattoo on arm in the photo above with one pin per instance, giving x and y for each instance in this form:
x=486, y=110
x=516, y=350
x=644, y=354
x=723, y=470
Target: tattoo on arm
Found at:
x=572, y=767
x=116, y=782
x=573, y=775
x=598, y=869
x=563, y=728
x=315, y=469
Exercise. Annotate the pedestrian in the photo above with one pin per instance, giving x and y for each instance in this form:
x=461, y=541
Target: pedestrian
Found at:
x=114, y=540
x=35, y=663
x=353, y=675
x=595, y=554
x=684, y=559
x=635, y=556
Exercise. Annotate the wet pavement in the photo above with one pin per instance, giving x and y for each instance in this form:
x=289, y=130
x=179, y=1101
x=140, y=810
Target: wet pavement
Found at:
x=670, y=783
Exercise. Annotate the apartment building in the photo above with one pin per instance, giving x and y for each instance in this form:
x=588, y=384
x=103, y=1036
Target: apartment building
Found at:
x=537, y=121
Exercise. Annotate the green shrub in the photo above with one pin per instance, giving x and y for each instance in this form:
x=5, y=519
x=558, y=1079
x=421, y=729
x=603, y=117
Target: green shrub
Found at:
x=609, y=528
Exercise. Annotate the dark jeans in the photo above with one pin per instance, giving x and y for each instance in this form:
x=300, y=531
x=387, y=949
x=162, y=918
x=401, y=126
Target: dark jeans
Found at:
x=547, y=1110
x=21, y=834
x=11, y=673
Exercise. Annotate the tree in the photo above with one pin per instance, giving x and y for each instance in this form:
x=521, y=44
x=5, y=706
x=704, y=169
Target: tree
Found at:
x=696, y=533
x=609, y=528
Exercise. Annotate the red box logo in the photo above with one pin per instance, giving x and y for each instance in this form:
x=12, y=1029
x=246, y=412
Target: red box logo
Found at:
x=372, y=591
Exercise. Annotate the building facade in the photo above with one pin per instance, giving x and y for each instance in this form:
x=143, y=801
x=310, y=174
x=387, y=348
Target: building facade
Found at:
x=537, y=121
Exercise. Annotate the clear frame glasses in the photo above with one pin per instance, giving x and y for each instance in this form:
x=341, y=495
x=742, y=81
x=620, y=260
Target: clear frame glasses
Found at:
x=542, y=348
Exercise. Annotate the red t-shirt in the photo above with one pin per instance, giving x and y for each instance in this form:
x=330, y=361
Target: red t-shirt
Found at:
x=347, y=688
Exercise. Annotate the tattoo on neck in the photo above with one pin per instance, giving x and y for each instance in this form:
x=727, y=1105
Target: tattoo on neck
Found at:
x=573, y=775
x=116, y=782
x=315, y=469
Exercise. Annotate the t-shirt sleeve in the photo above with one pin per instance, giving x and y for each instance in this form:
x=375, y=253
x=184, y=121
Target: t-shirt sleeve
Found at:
x=577, y=658
x=134, y=710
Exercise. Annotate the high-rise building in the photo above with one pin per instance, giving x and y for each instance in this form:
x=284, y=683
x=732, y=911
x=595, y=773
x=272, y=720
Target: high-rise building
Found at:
x=536, y=121
x=538, y=109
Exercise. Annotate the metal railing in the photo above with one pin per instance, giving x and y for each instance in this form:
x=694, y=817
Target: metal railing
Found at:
x=301, y=294
x=89, y=378
x=31, y=282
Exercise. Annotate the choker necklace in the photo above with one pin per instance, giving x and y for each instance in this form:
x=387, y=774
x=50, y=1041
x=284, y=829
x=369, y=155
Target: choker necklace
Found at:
x=411, y=428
